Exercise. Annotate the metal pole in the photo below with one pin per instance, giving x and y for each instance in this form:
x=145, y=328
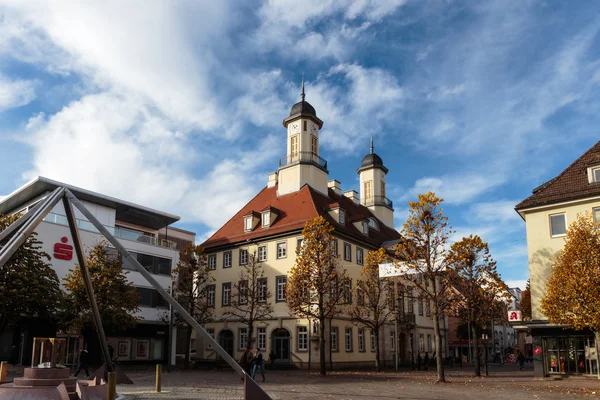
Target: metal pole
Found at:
x=169, y=358
x=158, y=377
x=111, y=387
x=469, y=333
x=396, y=341
x=88, y=282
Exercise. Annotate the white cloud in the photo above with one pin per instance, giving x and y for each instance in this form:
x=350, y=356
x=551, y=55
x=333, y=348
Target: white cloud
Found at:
x=520, y=283
x=15, y=93
x=501, y=211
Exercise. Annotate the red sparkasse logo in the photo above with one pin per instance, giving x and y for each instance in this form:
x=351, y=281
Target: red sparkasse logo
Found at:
x=63, y=251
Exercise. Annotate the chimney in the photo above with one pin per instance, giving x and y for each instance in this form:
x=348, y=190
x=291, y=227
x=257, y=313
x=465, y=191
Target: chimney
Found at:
x=272, y=180
x=335, y=185
x=352, y=195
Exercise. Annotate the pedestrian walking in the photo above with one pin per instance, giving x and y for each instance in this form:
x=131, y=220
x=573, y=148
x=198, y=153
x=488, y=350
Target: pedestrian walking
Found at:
x=111, y=352
x=83, y=363
x=246, y=360
x=521, y=359
x=257, y=360
x=426, y=361
x=419, y=361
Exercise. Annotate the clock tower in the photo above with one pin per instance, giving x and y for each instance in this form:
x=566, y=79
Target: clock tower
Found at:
x=302, y=165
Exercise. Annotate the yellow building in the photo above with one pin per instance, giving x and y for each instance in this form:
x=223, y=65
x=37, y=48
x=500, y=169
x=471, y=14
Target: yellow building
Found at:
x=547, y=214
x=270, y=226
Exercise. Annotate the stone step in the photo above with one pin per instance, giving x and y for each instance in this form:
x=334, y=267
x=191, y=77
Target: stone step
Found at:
x=46, y=373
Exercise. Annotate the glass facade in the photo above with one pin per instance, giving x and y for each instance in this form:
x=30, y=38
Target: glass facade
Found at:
x=570, y=355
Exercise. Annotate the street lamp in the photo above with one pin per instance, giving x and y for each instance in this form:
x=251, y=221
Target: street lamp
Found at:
x=484, y=336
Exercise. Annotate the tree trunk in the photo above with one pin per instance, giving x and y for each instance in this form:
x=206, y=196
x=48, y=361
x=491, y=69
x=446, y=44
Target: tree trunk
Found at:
x=476, y=350
x=438, y=346
x=377, y=357
x=330, y=350
x=597, y=338
x=322, y=361
x=250, y=330
x=188, y=339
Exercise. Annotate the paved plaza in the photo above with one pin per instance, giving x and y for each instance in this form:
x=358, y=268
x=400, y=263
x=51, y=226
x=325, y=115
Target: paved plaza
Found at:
x=504, y=382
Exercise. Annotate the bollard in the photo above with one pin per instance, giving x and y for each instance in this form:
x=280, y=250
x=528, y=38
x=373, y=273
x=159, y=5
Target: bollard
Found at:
x=158, y=376
x=111, y=387
x=3, y=371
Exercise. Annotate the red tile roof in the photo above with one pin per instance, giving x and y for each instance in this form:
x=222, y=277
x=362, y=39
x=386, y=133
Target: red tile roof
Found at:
x=295, y=209
x=571, y=184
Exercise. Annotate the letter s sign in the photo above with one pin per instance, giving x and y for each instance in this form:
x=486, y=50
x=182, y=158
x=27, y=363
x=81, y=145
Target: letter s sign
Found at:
x=63, y=251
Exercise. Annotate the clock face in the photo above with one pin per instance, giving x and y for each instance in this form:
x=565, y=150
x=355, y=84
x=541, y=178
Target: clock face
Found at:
x=295, y=127
x=314, y=129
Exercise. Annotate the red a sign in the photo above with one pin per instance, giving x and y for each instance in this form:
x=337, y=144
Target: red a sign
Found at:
x=63, y=251
x=514, y=316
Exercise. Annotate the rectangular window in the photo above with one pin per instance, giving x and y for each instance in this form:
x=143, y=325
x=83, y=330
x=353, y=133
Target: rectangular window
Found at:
x=597, y=175
x=383, y=188
x=262, y=338
x=393, y=341
x=596, y=215
x=302, y=333
x=227, y=259
x=333, y=338
x=347, y=252
x=391, y=295
x=150, y=298
x=368, y=192
x=262, y=289
x=262, y=253
x=372, y=340
x=299, y=243
x=226, y=297
x=211, y=333
x=334, y=247
x=360, y=294
x=243, y=292
x=421, y=342
x=558, y=224
x=248, y=223
x=420, y=304
x=210, y=295
x=282, y=250
x=243, y=257
x=360, y=256
x=243, y=335
x=305, y=128
x=280, y=289
x=410, y=306
x=347, y=296
x=212, y=261
x=266, y=219
x=361, y=339
x=348, y=340
x=428, y=342
x=314, y=144
x=427, y=309
x=315, y=328
x=365, y=227
x=154, y=264
x=294, y=146
x=342, y=216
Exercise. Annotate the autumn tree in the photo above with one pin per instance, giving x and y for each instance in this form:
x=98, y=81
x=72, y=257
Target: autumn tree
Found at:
x=572, y=295
x=525, y=305
x=372, y=309
x=192, y=279
x=117, y=299
x=478, y=287
x=422, y=256
x=251, y=297
x=314, y=284
x=29, y=287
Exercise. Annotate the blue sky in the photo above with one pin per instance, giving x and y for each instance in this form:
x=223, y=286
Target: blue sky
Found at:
x=179, y=106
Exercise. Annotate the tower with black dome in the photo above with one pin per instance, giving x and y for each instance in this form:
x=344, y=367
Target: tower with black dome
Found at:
x=372, y=175
x=302, y=165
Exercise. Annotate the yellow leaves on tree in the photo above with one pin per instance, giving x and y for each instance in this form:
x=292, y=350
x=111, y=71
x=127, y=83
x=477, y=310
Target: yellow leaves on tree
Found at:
x=572, y=295
x=525, y=305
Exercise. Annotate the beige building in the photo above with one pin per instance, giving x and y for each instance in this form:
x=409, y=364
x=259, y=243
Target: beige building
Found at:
x=547, y=214
x=270, y=226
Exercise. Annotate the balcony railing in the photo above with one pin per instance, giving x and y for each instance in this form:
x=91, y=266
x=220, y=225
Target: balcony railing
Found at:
x=120, y=232
x=406, y=318
x=377, y=201
x=303, y=157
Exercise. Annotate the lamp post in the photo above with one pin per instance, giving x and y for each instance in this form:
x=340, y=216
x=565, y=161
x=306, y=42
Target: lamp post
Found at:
x=484, y=336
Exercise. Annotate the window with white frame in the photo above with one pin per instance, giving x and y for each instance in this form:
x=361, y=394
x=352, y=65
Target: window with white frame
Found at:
x=347, y=252
x=211, y=333
x=280, y=288
x=226, y=300
x=243, y=335
x=243, y=257
x=342, y=216
x=596, y=174
x=243, y=292
x=347, y=296
x=333, y=338
x=360, y=294
x=427, y=308
x=361, y=339
x=302, y=333
x=262, y=289
x=428, y=342
x=393, y=341
x=558, y=224
x=262, y=253
x=410, y=304
x=365, y=227
x=248, y=223
x=227, y=259
x=420, y=304
x=212, y=261
x=348, y=341
x=299, y=243
x=210, y=295
x=421, y=342
x=373, y=224
x=372, y=340
x=282, y=250
x=262, y=338
x=360, y=256
x=266, y=219
x=334, y=247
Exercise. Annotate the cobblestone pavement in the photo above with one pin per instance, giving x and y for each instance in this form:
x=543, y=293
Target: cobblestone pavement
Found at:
x=504, y=382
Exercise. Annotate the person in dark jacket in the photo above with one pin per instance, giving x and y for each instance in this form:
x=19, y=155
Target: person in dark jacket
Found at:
x=426, y=361
x=83, y=363
x=258, y=364
x=246, y=360
x=419, y=360
x=521, y=359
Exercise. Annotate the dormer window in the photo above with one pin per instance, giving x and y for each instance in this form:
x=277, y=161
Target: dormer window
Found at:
x=596, y=174
x=373, y=224
x=365, y=227
x=266, y=219
x=342, y=216
x=248, y=223
x=593, y=174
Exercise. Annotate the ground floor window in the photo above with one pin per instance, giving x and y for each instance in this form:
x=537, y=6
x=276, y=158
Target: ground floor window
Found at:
x=302, y=338
x=570, y=355
x=262, y=338
x=372, y=340
x=243, y=335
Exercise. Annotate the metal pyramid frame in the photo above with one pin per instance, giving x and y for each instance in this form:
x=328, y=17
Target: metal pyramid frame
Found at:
x=16, y=234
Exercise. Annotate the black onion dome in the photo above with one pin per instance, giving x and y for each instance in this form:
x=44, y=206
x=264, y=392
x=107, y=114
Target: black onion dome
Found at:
x=303, y=108
x=372, y=160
